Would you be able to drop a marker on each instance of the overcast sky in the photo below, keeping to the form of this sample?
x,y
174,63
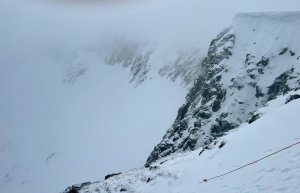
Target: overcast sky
x,y
195,20
100,124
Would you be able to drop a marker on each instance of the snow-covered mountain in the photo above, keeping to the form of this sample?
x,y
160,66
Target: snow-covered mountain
x,y
243,97
144,59
246,66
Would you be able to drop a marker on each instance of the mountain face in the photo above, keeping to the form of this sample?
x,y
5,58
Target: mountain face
x,y
246,66
204,98
249,81
144,59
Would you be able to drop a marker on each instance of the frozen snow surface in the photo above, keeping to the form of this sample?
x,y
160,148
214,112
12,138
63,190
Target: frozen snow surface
x,y
246,98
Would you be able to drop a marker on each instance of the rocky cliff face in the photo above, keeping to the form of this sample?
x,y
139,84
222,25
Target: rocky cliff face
x,y
246,66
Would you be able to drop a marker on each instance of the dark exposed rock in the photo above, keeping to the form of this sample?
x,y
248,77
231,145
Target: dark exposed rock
x,y
248,59
203,149
223,115
148,180
153,167
292,53
222,144
123,190
262,64
189,144
181,112
292,97
218,78
183,125
216,106
253,118
76,188
197,123
283,51
202,113
258,92
183,135
252,76
163,162
279,86
221,127
111,175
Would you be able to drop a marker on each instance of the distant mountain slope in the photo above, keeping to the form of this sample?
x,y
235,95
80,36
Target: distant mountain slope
x,y
145,60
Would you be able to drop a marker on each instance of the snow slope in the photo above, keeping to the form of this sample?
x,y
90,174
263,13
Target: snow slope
x,y
182,172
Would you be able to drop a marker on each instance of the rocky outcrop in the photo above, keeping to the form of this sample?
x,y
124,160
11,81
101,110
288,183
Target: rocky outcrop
x,y
292,97
111,175
76,188
203,100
